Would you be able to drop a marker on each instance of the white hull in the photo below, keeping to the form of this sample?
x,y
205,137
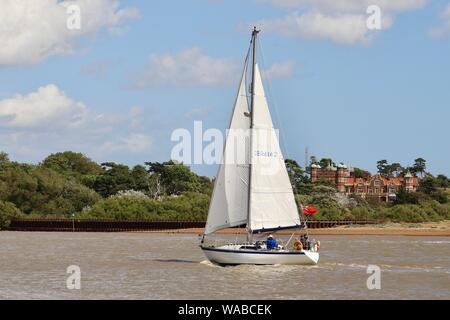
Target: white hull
x,y
233,255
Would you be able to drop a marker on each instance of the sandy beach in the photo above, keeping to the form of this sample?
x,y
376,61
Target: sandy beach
x,y
392,229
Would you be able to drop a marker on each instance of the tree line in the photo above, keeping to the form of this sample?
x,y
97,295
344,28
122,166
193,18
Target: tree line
x,y
67,184
397,170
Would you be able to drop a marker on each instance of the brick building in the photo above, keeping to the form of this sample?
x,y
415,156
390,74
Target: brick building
x,y
376,186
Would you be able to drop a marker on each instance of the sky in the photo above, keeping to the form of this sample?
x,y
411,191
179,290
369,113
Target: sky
x,y
116,85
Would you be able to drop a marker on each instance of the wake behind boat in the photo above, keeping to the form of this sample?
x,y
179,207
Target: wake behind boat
x,y
253,187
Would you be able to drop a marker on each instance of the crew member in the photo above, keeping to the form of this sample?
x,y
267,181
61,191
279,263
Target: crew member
x,y
298,245
271,242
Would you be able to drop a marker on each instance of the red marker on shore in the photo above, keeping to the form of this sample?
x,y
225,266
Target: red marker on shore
x,y
309,210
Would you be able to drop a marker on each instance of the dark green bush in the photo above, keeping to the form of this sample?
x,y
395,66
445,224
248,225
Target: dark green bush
x,y
189,206
8,211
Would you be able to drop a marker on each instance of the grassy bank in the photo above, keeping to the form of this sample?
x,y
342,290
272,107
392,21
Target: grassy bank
x,y
430,211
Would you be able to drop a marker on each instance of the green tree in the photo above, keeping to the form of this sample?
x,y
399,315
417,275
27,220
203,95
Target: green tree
x,y
326,162
72,163
39,190
440,196
395,170
8,211
442,181
4,158
420,166
205,185
359,173
405,197
296,174
382,167
188,206
304,188
141,178
115,178
434,187
427,185
175,178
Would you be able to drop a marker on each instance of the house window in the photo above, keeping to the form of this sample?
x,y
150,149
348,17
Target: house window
x,y
377,183
377,190
370,190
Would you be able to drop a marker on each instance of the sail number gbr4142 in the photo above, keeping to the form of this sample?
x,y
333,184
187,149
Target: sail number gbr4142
x,y
266,154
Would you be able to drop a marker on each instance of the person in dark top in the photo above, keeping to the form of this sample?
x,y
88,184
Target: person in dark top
x,y
302,240
271,242
307,243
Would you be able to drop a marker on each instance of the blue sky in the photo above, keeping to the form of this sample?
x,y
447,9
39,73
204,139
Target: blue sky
x,y
118,87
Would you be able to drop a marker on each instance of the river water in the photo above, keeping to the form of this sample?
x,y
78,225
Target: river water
x,y
163,266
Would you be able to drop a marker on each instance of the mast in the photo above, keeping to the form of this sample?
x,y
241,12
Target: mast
x,y
252,105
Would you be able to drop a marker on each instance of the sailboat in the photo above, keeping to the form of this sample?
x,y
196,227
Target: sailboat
x,y
252,186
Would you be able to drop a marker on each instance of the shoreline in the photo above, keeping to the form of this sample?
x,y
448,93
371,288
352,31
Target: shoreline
x,y
438,229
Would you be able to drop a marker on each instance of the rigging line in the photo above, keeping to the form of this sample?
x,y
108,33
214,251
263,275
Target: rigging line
x,y
274,105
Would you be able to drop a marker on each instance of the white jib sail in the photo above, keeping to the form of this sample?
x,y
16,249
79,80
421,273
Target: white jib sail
x,y
229,202
272,203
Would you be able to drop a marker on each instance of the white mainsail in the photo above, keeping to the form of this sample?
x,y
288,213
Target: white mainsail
x,y
272,203
229,203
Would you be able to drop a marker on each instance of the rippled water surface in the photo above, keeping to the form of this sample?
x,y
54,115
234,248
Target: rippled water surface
x,y
159,266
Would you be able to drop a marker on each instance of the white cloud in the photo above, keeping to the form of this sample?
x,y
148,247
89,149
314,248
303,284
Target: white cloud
x,y
280,70
47,120
134,143
48,106
444,29
340,28
341,21
190,67
31,31
351,5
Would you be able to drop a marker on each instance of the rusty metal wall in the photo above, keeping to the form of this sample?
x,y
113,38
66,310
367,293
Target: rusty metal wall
x,y
124,226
